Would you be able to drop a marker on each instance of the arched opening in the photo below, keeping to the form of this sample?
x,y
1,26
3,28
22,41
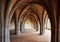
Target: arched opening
x,y
13,25
48,28
30,21
29,25
47,25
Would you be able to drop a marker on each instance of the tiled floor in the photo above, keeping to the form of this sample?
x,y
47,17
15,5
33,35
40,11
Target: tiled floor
x,y
31,36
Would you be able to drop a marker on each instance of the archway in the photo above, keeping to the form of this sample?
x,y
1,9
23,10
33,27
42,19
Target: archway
x,y
51,18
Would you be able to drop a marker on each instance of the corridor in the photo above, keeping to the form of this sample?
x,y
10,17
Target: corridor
x,y
29,21
30,35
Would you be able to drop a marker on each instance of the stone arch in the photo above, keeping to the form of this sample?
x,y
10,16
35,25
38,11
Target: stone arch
x,y
28,4
24,3
32,14
52,20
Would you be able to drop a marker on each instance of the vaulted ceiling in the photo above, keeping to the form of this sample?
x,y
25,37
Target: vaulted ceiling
x,y
39,7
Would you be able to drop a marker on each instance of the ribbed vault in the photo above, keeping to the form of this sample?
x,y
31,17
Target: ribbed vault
x,y
35,10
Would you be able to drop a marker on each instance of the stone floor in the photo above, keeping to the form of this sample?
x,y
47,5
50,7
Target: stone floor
x,y
31,36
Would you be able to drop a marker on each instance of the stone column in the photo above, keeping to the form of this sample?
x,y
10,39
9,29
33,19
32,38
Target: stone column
x,y
17,26
0,26
59,31
44,28
36,26
59,28
18,29
4,31
41,29
7,32
2,22
22,27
